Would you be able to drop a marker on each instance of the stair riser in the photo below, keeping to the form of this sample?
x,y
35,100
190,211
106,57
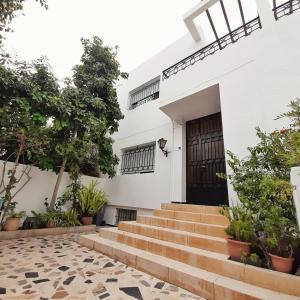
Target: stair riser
x,y
205,229
178,238
208,287
192,217
204,262
191,208
260,277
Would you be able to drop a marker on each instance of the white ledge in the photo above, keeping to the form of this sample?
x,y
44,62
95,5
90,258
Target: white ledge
x,y
193,13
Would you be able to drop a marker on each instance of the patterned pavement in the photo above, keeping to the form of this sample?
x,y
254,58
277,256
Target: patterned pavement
x,y
56,267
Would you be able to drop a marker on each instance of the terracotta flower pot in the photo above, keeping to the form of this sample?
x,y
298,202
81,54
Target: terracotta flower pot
x,y
11,224
51,224
282,264
87,220
237,248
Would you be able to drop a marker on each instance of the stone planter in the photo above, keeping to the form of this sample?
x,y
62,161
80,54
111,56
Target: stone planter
x,y
237,248
11,224
282,264
87,220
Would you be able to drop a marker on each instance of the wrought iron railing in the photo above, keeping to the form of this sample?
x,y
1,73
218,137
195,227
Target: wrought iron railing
x,y
286,8
139,159
212,48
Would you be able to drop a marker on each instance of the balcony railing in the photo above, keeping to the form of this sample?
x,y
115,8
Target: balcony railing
x,y
286,8
212,48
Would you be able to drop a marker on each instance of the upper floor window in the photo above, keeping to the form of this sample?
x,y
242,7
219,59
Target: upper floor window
x,y
144,93
139,159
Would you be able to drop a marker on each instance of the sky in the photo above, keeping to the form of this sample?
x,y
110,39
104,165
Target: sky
x,y
141,28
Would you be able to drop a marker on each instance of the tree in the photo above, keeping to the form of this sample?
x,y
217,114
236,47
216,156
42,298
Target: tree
x,y
8,8
89,112
28,93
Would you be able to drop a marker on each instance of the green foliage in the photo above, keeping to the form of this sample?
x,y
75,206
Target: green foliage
x,y
281,235
262,183
59,219
254,258
28,93
240,227
19,215
8,8
91,199
88,113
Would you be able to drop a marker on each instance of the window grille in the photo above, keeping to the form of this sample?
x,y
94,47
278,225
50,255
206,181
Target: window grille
x,y
139,159
144,94
125,215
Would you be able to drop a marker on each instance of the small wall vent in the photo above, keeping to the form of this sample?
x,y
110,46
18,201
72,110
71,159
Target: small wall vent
x,y
125,215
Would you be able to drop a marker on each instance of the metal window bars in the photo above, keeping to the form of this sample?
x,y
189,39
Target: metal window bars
x,y
144,94
232,37
285,9
139,159
125,215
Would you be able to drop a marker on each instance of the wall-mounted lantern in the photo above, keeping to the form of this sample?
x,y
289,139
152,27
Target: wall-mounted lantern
x,y
162,144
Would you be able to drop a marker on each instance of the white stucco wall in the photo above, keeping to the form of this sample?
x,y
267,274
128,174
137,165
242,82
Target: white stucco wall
x,y
257,77
41,186
295,181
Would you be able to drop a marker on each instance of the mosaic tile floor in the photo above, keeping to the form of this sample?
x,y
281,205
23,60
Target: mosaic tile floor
x,y
56,267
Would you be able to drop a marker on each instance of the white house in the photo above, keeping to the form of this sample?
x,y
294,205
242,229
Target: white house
x,y
203,98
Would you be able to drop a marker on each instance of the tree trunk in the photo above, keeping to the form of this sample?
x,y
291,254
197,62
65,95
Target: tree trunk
x,y
12,180
57,184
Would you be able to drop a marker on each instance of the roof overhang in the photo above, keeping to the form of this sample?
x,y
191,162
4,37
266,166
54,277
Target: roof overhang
x,y
197,105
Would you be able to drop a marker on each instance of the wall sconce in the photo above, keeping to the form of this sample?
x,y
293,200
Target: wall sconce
x,y
162,144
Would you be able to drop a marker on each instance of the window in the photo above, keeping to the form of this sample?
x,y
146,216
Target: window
x,y
145,93
139,159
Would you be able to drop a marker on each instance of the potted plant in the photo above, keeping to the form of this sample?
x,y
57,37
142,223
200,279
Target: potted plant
x,y
281,237
240,231
13,219
91,201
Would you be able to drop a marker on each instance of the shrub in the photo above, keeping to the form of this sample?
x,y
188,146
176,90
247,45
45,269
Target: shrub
x,y
240,227
91,199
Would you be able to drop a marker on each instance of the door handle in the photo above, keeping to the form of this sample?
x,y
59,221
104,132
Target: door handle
x,y
203,166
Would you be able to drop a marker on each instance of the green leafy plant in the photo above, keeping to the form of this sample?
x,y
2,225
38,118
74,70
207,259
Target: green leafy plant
x,y
58,219
11,211
262,183
69,218
19,215
281,234
91,199
240,226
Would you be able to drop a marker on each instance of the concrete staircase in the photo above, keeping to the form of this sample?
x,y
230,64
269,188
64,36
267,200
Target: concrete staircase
x,y
186,246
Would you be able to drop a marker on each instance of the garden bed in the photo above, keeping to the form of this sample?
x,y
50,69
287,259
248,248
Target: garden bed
x,y
8,235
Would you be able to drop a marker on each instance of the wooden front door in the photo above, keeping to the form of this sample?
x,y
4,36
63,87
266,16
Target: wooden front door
x,y
205,158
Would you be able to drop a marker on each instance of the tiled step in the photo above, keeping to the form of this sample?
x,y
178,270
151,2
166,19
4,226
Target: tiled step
x,y
192,217
206,284
210,261
201,228
191,208
214,244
